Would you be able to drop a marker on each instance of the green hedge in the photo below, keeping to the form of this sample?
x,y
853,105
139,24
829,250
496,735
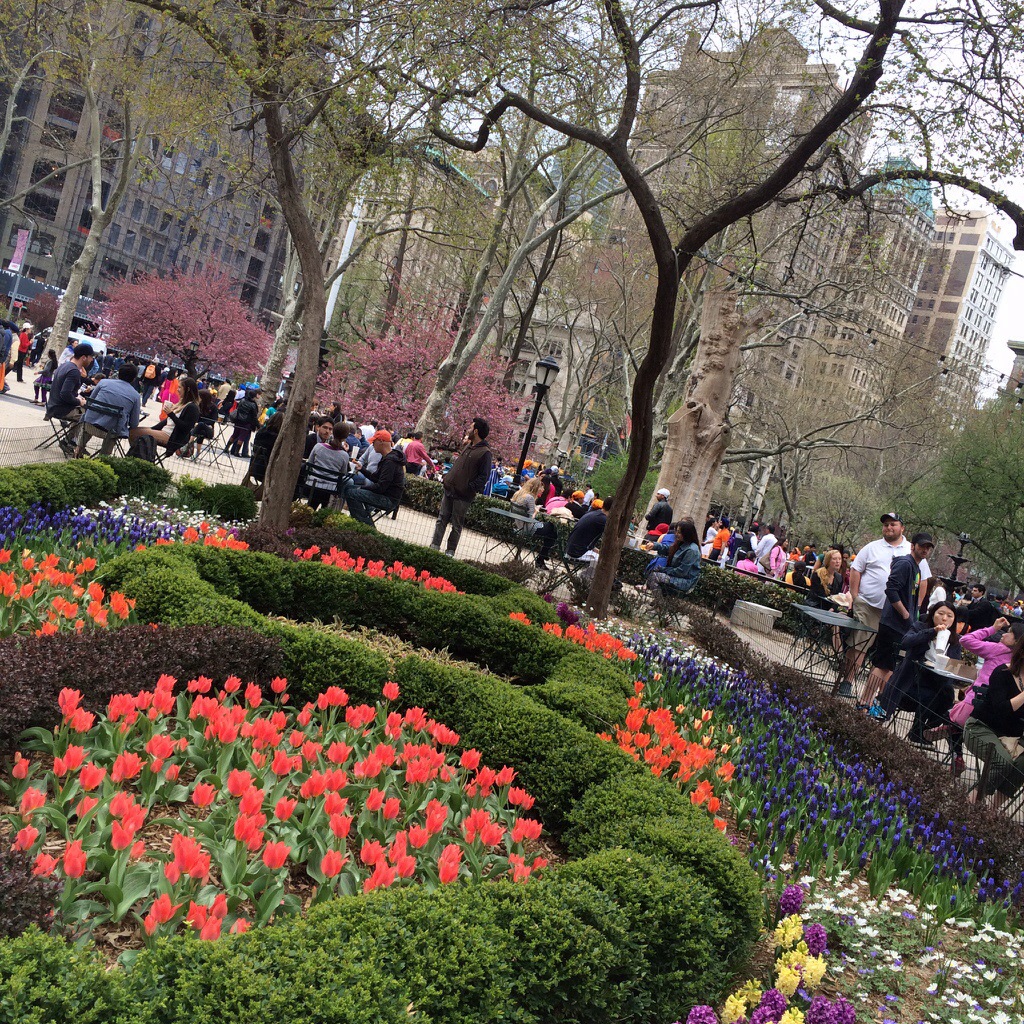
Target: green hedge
x,y
230,502
137,478
76,482
658,914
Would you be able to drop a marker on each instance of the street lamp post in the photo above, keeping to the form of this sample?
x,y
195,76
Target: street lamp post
x,y
193,346
546,370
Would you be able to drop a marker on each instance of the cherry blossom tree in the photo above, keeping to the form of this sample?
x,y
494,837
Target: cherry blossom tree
x,y
388,378
42,310
163,317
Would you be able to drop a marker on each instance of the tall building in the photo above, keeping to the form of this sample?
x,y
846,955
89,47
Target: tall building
x,y
184,211
955,310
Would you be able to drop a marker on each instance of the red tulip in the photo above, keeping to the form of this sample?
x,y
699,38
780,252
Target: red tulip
x,y
74,859
278,684
85,805
340,825
371,852
219,907
21,766
374,799
382,877
332,863
241,926
335,804
44,865
253,695
126,766
284,808
160,746
252,801
68,701
238,781
91,776
160,913
437,814
338,752
120,836
520,798
211,930
391,691
470,760
275,855
31,799
418,836
81,720
203,795
25,838
448,863
525,828
392,808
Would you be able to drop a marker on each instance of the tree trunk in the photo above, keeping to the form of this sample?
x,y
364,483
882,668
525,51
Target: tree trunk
x,y
284,336
286,456
76,281
395,278
617,529
698,432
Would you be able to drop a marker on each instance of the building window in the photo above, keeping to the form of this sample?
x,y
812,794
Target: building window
x,y
151,216
158,252
129,241
143,247
137,208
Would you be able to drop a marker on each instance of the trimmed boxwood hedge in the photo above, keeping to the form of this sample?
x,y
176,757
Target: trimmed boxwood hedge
x,y
657,915
79,482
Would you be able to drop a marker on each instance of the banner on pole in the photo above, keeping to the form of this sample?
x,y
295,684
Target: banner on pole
x,y
20,248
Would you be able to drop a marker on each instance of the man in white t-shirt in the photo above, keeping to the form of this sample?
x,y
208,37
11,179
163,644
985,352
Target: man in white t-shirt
x,y
868,576
764,547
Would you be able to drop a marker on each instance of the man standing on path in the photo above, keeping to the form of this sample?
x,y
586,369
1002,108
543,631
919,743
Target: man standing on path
x,y
900,610
868,576
765,545
463,482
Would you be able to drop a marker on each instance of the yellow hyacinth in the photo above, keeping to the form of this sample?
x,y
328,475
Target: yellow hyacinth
x,y
792,1016
787,981
814,971
734,1009
750,993
789,931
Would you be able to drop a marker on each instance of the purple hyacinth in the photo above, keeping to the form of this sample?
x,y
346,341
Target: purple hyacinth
x,y
792,900
820,1011
816,938
702,1015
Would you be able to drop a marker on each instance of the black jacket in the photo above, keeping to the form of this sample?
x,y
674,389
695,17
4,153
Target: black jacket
x,y
247,415
661,512
388,478
995,711
902,585
586,533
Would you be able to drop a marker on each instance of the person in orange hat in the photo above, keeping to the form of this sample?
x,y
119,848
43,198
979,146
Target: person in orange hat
x,y
384,484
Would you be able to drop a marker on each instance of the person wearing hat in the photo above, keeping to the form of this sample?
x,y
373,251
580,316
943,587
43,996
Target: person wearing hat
x,y
868,577
384,485
902,592
462,483
246,419
661,510
576,506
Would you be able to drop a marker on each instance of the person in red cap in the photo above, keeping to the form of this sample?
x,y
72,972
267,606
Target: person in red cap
x,y
463,482
386,481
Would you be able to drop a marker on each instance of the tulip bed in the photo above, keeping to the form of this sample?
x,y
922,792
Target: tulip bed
x,y
652,912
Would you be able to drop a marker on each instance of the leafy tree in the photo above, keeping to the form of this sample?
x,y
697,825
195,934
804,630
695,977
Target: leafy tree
x,y
978,488
162,317
388,378
42,310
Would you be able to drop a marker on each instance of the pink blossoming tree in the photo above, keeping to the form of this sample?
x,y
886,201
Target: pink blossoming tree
x,y
161,317
388,377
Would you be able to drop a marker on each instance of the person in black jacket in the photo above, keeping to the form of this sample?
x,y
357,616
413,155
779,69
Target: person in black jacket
x,y
262,445
981,612
387,481
1000,713
183,418
246,420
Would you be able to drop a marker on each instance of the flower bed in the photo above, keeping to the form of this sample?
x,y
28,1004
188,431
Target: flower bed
x,y
801,799
349,797
376,570
657,911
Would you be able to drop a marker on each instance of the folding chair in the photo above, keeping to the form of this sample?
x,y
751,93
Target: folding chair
x,y
60,436
105,409
210,451
376,514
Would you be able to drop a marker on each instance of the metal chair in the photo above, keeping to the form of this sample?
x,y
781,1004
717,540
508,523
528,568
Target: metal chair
x,y
61,430
106,410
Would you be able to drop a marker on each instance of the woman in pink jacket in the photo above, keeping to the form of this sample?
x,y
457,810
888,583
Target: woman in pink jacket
x,y
778,558
995,653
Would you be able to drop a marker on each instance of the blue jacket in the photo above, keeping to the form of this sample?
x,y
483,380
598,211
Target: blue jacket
x,y
684,570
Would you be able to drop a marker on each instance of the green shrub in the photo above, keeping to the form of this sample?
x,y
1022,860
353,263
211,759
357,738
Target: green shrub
x,y
137,478
231,502
47,981
190,491
76,482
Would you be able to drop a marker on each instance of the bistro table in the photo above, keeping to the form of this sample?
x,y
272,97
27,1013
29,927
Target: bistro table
x,y
514,545
814,641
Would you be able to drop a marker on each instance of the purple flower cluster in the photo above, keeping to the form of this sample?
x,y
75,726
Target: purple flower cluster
x,y
824,1011
808,794
791,900
702,1015
816,938
771,1008
72,527
568,614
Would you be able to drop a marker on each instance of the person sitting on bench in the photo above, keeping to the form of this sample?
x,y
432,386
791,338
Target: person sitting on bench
x,y
386,481
184,415
680,574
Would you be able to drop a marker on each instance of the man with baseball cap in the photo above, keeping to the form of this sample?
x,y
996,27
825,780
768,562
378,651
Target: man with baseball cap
x,y
385,483
661,510
869,574
902,602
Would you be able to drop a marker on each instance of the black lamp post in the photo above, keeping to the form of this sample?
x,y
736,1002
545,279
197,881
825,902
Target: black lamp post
x,y
958,560
193,347
546,370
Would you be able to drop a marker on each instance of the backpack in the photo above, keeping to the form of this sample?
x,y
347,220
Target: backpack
x,y
150,372
143,447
